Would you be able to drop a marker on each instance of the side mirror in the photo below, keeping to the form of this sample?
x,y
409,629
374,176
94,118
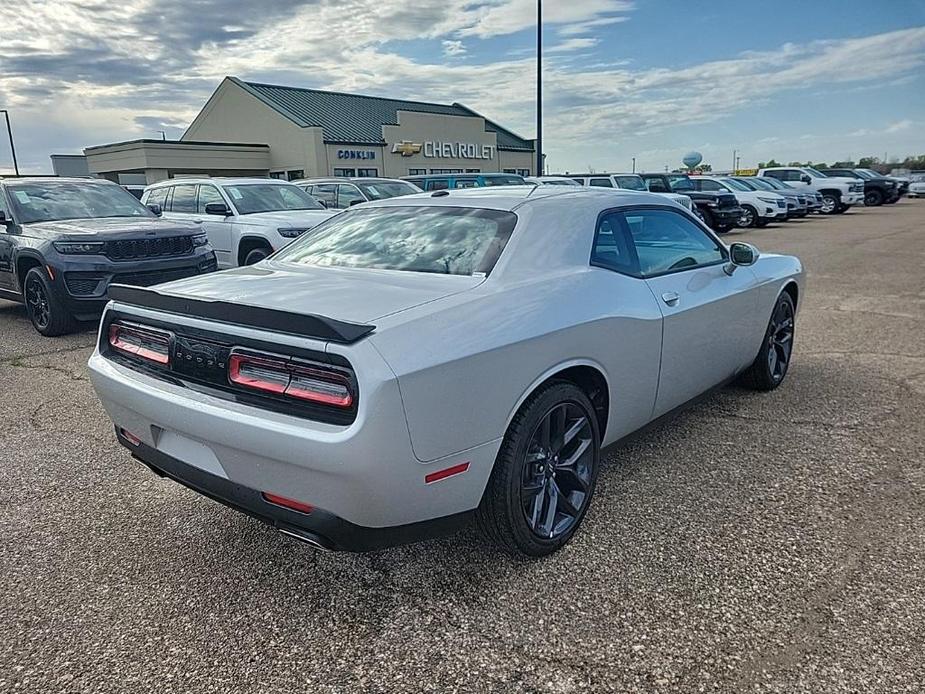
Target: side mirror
x,y
323,203
806,179
741,255
356,202
156,209
218,208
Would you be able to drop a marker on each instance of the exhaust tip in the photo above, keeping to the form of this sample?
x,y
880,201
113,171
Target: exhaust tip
x,y
305,537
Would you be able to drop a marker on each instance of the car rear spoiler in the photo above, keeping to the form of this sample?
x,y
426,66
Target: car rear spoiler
x,y
304,324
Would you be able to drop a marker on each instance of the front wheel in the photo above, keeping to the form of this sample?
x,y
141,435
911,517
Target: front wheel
x,y
749,217
544,475
255,256
47,313
830,203
773,361
873,198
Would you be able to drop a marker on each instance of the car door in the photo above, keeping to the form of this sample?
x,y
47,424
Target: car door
x,y
709,316
218,227
6,245
348,195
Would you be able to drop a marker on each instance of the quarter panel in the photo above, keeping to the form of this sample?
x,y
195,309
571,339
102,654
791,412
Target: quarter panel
x,y
465,368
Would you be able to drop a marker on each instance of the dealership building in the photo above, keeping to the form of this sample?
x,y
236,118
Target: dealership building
x,y
252,129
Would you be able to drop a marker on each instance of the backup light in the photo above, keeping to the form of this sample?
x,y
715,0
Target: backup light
x,y
144,343
283,377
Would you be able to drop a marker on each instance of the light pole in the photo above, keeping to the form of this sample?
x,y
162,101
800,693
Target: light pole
x,y
539,88
9,131
735,166
634,164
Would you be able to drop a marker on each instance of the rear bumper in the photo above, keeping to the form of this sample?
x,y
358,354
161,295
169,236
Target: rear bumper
x,y
318,528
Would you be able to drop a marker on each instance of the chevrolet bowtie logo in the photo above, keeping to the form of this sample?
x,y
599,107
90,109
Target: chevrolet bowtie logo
x,y
406,148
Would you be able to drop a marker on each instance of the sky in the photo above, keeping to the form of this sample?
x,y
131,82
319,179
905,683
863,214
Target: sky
x,y
823,80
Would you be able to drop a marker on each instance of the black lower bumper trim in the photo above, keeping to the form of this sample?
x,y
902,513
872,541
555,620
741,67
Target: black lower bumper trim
x,y
319,527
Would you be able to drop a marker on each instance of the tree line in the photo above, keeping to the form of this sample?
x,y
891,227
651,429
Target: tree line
x,y
914,163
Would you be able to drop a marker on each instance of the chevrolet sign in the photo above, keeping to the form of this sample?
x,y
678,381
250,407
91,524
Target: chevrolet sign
x,y
458,150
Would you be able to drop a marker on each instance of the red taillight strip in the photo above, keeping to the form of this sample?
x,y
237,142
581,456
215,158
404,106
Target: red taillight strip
x,y
117,340
296,381
447,472
285,502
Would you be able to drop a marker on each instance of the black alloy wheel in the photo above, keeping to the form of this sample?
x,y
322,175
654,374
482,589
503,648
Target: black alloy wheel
x,y
873,198
48,315
544,475
773,361
556,475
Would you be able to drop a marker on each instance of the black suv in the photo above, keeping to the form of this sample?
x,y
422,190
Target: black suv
x,y
877,189
63,241
720,211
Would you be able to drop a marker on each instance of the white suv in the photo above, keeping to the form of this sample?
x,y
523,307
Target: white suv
x,y
246,219
758,207
629,181
838,194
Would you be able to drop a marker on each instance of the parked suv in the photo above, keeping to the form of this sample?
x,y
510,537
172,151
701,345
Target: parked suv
x,y
627,181
341,193
877,189
246,219
63,241
758,208
720,211
468,180
838,194
805,201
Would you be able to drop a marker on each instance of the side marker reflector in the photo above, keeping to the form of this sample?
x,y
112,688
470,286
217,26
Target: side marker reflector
x,y
447,472
291,504
130,437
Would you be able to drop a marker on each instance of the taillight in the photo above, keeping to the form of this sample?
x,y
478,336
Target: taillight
x,y
151,345
286,502
283,377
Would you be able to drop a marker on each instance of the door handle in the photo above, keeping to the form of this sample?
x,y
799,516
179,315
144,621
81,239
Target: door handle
x,y
671,298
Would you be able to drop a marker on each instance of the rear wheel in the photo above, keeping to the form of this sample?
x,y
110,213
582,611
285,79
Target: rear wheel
x,y
47,314
544,475
256,255
749,217
773,361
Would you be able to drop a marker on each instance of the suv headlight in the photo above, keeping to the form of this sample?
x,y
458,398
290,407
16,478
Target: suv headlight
x,y
80,247
770,201
200,240
292,232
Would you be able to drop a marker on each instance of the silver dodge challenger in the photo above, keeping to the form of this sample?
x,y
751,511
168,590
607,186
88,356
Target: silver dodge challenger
x,y
418,363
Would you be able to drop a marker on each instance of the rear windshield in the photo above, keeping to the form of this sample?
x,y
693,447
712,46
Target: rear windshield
x,y
504,180
53,201
445,240
630,182
680,183
387,189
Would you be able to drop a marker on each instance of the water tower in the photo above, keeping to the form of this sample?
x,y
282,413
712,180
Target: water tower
x,y
692,159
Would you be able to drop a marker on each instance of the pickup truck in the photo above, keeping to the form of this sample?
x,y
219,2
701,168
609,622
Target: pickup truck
x,y
719,211
877,189
838,194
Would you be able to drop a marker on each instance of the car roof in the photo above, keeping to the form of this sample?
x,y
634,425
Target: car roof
x,y
511,198
226,180
348,179
56,179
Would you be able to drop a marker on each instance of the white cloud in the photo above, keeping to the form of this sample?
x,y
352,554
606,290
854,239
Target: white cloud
x,y
899,126
575,44
453,49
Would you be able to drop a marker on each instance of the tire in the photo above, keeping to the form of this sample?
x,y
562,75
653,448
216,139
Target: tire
x,y
749,217
517,484
842,208
772,364
830,203
761,223
707,218
256,255
47,313
873,198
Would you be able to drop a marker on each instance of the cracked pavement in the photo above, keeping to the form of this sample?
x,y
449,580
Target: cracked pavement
x,y
760,543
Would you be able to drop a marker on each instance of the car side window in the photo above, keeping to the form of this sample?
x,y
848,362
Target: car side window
x,y
438,184
348,195
207,196
667,241
466,183
656,185
184,198
792,175
156,196
601,182
710,185
4,208
779,175
325,192
613,248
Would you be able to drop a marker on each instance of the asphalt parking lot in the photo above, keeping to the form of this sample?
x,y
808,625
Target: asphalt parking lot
x,y
760,543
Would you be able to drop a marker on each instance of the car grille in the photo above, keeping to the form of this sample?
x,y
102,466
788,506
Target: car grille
x,y
134,249
857,187
147,279
727,201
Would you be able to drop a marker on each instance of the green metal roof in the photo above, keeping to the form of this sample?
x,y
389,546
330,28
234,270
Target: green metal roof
x,y
358,119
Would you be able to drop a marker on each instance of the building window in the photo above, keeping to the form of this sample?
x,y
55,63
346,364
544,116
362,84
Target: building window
x,y
510,171
346,173
473,171
367,173
281,175
295,175
446,171
523,172
417,172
